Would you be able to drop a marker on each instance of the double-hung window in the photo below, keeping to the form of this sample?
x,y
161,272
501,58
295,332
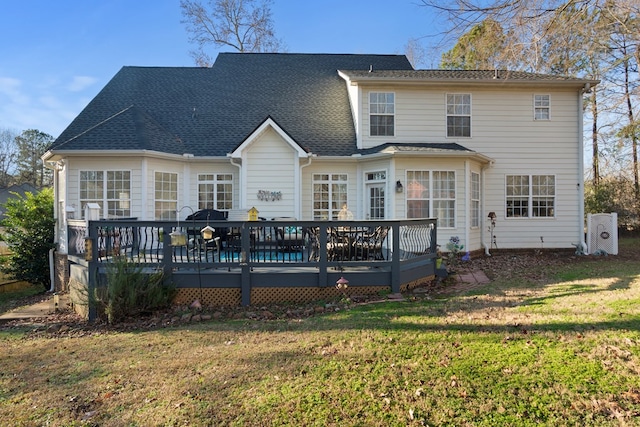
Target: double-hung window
x,y
109,189
459,115
166,195
432,194
541,107
329,195
215,191
475,199
530,196
382,114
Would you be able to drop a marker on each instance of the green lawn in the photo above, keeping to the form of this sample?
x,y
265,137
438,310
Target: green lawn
x,y
556,344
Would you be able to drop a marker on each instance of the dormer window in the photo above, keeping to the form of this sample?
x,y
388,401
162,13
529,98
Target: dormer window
x,y
382,114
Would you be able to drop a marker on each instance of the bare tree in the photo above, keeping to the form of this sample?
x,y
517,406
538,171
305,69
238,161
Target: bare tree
x,y
8,155
415,53
244,25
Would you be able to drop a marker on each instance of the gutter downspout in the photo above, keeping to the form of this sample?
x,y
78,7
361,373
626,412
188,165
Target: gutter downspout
x,y
56,215
467,207
309,159
482,229
239,166
580,183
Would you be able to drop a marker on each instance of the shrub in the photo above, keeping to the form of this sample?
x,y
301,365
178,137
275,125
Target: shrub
x,y
29,233
130,290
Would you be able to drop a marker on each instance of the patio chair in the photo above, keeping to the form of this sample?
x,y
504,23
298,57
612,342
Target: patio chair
x,y
289,238
339,248
370,245
314,242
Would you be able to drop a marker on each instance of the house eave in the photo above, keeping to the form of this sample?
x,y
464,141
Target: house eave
x,y
59,154
386,154
433,81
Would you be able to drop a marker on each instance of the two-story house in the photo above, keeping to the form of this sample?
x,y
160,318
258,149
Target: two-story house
x,y
302,135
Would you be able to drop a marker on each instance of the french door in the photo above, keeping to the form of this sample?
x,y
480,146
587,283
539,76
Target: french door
x,y
375,184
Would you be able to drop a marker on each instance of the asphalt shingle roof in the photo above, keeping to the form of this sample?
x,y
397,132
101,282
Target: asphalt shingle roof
x,y
457,75
209,111
426,147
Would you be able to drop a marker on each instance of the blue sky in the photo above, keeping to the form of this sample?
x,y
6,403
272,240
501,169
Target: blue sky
x,y
55,56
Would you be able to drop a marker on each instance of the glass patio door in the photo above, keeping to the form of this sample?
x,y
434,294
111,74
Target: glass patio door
x,y
376,183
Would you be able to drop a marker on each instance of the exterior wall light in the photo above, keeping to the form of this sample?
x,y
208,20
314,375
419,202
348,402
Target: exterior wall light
x,y
399,187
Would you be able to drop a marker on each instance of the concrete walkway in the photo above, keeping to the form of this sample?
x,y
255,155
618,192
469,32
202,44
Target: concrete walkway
x,y
40,309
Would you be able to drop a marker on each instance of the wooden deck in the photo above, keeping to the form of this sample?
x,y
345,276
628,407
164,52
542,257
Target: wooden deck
x,y
262,254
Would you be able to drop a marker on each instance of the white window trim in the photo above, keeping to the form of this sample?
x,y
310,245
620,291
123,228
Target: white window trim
x,y
446,115
530,199
156,200
433,199
377,114
104,201
478,200
548,107
215,181
330,182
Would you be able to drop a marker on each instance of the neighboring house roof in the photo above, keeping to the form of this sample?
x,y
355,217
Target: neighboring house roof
x,y
209,111
7,193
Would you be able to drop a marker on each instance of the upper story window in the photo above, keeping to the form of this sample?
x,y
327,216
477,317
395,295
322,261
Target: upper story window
x,y
215,191
109,189
459,115
329,195
531,196
381,114
166,195
541,107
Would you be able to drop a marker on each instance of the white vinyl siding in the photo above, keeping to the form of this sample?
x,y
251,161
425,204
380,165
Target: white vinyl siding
x,y
270,166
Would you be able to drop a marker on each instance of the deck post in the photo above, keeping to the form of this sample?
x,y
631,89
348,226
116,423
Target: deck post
x,y
322,256
395,258
245,284
91,254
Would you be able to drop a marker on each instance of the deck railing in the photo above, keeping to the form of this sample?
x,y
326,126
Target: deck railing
x,y
246,254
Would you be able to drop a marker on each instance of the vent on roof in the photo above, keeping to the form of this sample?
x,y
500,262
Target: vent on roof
x,y
371,68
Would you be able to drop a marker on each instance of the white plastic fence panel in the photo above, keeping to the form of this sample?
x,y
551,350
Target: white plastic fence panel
x,y
602,233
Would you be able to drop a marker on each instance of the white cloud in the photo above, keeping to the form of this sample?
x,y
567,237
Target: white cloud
x,y
10,87
79,83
